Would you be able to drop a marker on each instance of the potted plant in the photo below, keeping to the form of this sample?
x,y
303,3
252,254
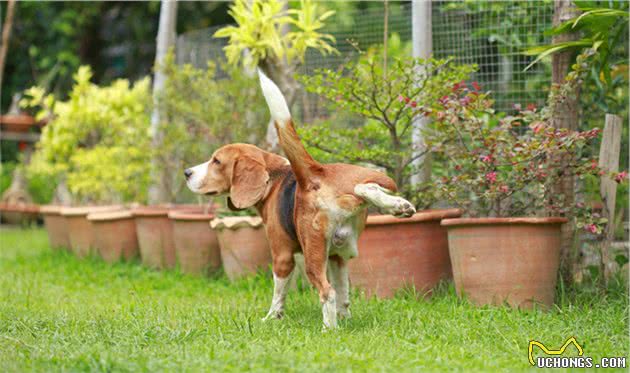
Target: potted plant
x,y
114,235
196,245
501,170
243,243
80,233
384,106
56,227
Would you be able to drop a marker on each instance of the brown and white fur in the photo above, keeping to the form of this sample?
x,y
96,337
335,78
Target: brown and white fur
x,y
318,209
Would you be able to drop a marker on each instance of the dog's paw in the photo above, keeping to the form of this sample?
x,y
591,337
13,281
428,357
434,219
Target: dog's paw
x,y
344,313
402,208
273,315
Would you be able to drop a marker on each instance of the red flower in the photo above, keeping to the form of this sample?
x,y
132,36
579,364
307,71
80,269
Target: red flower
x,y
413,104
504,189
465,101
486,158
443,100
621,176
491,177
537,126
22,145
476,86
531,107
459,86
591,228
458,167
401,98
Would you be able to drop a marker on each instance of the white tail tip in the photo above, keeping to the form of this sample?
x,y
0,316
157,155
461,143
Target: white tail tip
x,y
275,100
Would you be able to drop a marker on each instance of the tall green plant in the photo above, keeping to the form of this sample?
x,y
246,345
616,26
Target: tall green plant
x,y
276,40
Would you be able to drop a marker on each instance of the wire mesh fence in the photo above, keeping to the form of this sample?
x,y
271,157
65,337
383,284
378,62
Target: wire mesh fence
x,y
491,35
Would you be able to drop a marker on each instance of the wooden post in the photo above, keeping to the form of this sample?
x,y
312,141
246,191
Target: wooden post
x,y
609,162
565,117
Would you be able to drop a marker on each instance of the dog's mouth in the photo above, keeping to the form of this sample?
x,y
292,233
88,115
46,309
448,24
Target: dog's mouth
x,y
214,193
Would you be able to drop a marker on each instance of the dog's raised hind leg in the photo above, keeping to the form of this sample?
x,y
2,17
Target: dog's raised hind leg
x,y
378,196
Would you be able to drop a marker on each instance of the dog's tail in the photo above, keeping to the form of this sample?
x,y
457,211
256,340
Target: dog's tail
x,y
302,163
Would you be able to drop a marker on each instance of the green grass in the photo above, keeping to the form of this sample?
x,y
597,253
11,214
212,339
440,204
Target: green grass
x,y
59,313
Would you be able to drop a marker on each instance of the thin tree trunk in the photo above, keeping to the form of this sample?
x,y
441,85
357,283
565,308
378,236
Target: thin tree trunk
x,y
158,191
565,117
6,37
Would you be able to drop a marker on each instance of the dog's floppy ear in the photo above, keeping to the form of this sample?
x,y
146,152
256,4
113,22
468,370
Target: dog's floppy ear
x,y
231,206
249,182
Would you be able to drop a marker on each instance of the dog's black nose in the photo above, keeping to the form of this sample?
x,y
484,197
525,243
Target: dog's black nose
x,y
187,173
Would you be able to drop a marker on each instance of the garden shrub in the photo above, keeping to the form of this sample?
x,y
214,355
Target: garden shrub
x,y
388,103
203,109
97,140
508,165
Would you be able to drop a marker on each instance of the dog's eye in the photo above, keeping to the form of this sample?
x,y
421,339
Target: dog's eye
x,y
216,161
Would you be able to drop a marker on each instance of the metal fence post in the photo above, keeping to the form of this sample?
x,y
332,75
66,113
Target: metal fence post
x,y
422,41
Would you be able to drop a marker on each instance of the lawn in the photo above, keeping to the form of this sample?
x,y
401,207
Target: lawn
x,y
58,313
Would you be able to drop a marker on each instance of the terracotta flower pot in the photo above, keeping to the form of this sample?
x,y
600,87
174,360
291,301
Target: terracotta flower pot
x,y
196,245
243,243
155,234
513,260
80,232
395,253
19,213
56,227
114,235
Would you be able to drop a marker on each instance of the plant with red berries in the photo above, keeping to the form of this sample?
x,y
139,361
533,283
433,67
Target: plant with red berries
x,y
506,165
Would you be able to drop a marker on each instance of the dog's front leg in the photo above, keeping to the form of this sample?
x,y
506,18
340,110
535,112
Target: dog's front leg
x,y
283,265
338,275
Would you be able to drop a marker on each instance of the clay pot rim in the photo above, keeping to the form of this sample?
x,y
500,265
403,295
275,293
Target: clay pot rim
x,y
150,211
163,209
503,221
19,207
21,118
85,210
105,216
51,209
236,222
421,216
190,215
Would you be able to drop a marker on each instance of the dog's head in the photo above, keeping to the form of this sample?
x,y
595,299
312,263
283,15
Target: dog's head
x,y
237,169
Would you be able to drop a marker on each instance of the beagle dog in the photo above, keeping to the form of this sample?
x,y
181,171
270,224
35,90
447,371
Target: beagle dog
x,y
318,209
